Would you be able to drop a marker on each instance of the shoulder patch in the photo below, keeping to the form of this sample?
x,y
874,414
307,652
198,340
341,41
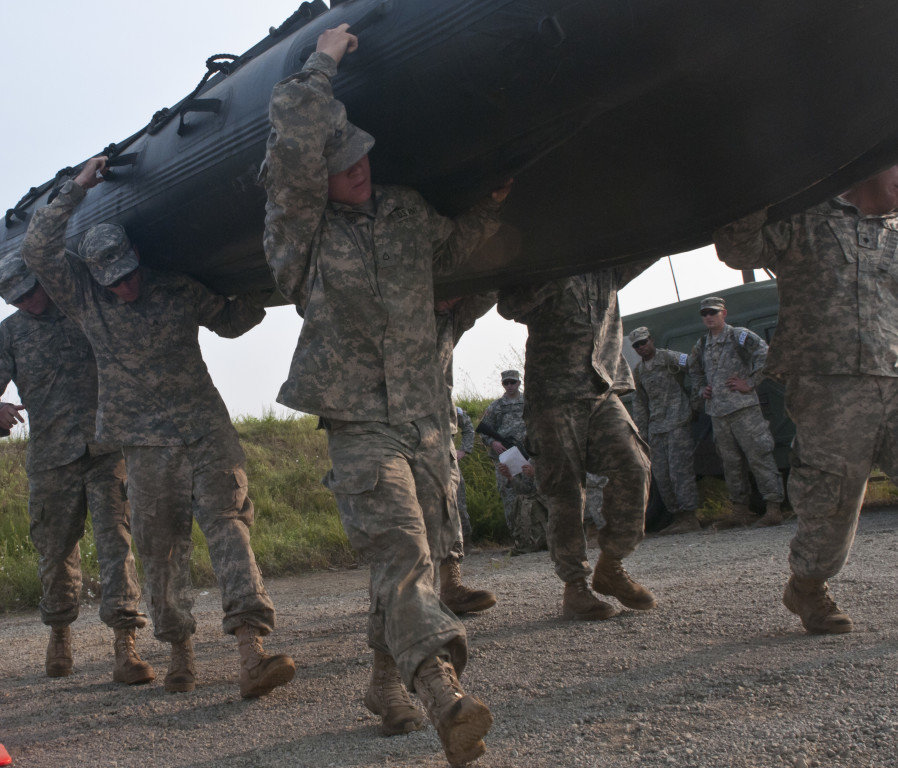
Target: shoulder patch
x,y
401,214
681,360
742,337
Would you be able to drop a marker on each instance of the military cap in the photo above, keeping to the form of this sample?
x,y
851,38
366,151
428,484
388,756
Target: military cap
x,y
346,146
639,334
107,252
713,302
511,375
15,279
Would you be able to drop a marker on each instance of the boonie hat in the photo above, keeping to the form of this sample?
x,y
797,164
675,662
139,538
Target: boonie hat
x,y
347,145
15,279
639,334
511,375
107,252
713,302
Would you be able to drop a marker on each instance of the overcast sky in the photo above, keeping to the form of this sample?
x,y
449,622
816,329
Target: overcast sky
x,y
79,75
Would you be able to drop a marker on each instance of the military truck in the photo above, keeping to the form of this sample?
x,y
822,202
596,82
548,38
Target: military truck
x,y
678,326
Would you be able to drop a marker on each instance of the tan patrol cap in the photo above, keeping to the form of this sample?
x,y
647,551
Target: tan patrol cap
x,y
15,279
107,252
639,334
713,302
511,375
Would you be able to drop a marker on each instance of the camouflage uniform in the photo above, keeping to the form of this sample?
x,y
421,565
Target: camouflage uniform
x,y
595,497
576,422
522,516
530,515
366,361
51,363
662,412
741,432
836,349
451,324
466,427
157,400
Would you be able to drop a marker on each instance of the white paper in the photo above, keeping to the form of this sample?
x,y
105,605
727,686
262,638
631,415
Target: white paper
x,y
514,460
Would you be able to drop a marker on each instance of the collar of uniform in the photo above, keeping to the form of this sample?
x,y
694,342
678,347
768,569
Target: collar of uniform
x,y
842,207
720,337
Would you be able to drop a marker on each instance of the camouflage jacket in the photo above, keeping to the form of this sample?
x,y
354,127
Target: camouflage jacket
x,y
733,352
505,416
466,427
837,279
154,388
361,276
53,367
575,335
661,403
451,325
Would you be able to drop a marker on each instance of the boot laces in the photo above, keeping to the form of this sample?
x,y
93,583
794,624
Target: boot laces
x,y
822,603
440,680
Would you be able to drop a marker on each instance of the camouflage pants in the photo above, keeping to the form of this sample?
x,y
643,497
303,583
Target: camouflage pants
x,y
461,499
673,469
569,440
744,442
595,497
168,487
507,494
525,515
844,425
457,551
391,483
57,505
530,522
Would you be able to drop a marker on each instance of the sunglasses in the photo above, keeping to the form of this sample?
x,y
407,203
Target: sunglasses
x,y
122,279
706,312
638,344
509,381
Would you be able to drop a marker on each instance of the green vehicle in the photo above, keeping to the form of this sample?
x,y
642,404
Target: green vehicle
x,y
678,326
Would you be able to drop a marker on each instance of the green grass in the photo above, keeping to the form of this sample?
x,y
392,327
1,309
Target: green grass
x,y
296,528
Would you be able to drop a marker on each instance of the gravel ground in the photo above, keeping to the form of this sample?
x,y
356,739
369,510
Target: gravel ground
x,y
720,674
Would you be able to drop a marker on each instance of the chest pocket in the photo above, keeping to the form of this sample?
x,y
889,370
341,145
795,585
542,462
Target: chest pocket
x,y
847,238
402,251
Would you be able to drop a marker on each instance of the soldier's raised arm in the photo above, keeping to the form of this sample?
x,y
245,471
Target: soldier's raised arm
x,y
456,240
304,118
225,316
43,248
752,243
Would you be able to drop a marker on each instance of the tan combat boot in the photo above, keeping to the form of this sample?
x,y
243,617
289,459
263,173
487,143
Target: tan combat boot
x,y
610,578
461,720
260,673
181,675
742,517
59,652
387,697
129,667
810,600
579,604
773,515
683,522
456,596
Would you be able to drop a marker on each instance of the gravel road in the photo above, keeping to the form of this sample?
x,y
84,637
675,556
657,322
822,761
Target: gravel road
x,y
720,674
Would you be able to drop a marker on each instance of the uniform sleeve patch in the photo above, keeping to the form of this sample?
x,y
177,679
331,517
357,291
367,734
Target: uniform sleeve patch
x,y
683,358
742,337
